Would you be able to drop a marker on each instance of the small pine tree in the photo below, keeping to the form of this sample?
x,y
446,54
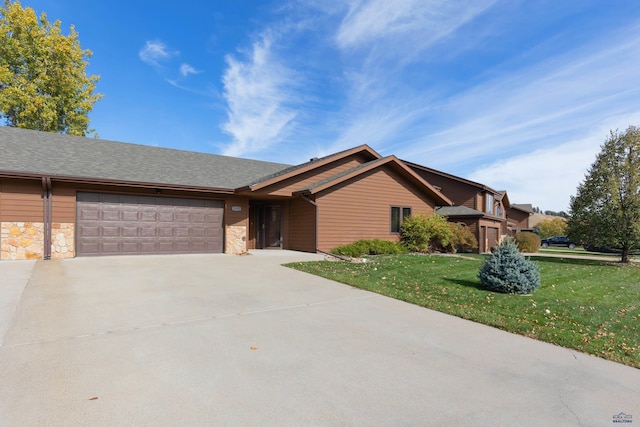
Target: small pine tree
x,y
508,271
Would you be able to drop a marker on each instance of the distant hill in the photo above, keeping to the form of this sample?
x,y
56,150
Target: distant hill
x,y
537,218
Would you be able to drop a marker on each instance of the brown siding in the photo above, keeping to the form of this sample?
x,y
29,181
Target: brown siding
x,y
518,218
21,200
236,217
301,226
287,186
459,193
361,208
63,202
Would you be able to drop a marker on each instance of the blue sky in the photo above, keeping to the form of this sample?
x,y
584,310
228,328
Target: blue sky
x,y
517,95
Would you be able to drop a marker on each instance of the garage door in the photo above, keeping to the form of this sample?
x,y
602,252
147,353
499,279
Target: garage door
x,y
113,224
492,237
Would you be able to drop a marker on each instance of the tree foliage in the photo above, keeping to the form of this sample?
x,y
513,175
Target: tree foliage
x,y
606,209
424,233
43,81
527,241
552,227
508,271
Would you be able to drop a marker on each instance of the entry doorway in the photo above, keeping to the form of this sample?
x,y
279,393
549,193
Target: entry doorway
x,y
268,226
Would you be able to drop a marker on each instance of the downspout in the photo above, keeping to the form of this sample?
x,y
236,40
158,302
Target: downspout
x,y
46,200
305,198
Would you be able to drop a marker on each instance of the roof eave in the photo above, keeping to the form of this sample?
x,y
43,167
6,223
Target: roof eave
x,y
122,183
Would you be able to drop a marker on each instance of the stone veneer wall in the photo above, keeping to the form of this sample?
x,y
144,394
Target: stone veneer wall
x,y
62,240
236,239
25,240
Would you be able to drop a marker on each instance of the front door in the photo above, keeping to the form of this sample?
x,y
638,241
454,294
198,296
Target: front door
x,y
269,226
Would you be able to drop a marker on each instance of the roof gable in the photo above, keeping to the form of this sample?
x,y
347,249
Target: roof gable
x,y
312,164
389,161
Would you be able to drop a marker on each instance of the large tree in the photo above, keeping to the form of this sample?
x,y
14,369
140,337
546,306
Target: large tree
x,y
606,209
43,81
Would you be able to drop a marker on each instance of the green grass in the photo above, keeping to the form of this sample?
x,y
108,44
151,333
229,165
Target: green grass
x,y
588,305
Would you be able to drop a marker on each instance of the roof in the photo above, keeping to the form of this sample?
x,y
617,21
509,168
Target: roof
x,y
365,167
454,177
463,211
528,207
458,211
310,165
29,152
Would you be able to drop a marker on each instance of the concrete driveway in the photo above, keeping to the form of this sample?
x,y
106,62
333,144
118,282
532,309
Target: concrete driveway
x,y
204,340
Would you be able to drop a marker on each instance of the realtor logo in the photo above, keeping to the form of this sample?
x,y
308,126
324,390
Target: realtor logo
x,y
622,418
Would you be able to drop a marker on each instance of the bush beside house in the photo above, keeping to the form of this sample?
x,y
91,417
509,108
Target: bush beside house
x,y
527,241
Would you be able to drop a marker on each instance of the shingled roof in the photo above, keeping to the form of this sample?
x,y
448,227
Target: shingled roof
x,y
28,152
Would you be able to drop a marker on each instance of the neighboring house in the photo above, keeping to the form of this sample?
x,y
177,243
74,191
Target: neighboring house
x,y
96,197
481,208
519,218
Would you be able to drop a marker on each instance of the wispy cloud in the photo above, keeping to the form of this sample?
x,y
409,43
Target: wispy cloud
x,y
186,70
544,124
420,22
154,52
259,92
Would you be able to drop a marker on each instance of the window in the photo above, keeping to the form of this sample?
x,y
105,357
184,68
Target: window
x,y
398,214
489,207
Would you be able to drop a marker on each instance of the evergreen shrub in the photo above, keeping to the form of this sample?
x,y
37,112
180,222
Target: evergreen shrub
x,y
507,271
527,241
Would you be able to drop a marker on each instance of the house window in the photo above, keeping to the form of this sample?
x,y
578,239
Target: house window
x,y
489,207
398,214
499,210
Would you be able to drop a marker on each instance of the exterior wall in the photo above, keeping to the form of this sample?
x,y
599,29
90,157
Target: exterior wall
x,y
361,208
22,217
287,186
21,240
21,200
459,193
518,218
301,226
236,225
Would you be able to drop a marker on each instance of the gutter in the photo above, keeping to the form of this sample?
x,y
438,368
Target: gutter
x,y
305,198
47,216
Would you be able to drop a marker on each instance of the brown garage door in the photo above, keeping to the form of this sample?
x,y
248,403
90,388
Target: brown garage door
x,y
492,238
114,224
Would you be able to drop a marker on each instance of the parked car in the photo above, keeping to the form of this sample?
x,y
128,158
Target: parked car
x,y
558,241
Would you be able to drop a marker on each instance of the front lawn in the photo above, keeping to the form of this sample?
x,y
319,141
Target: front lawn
x,y
588,305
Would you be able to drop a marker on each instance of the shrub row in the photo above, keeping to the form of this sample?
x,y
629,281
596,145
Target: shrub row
x,y
369,247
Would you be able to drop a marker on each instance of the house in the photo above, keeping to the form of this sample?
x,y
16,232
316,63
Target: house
x,y
520,218
481,208
63,196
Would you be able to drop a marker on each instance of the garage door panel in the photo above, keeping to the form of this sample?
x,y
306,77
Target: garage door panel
x,y
110,214
110,224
